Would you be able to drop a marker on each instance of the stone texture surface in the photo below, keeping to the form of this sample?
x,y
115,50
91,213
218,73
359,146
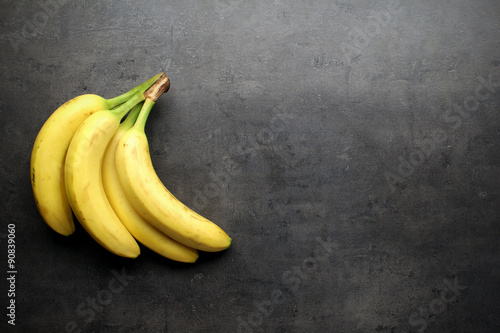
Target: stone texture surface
x,y
350,149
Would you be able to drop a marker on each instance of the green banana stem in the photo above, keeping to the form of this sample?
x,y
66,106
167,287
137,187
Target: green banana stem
x,y
151,96
140,89
140,123
123,109
132,117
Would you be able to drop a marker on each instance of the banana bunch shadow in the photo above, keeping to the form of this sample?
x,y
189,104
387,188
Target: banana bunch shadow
x,y
91,158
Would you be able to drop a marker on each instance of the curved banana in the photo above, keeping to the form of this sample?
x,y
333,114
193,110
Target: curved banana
x,y
49,152
151,198
142,231
83,180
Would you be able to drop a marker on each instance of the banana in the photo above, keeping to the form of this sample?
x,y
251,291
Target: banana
x,y
153,201
142,231
84,187
49,152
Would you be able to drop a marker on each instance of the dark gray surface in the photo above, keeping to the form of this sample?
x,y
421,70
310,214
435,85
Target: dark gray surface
x,y
290,124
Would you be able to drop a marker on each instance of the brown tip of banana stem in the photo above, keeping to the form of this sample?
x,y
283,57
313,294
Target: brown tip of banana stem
x,y
158,88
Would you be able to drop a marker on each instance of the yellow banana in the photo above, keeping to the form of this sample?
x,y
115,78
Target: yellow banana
x,y
151,198
142,231
49,151
83,180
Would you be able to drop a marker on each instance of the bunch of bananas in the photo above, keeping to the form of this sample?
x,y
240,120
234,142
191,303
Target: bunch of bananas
x,y
91,159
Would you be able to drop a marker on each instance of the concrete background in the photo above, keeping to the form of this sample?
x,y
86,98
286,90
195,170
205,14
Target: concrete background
x,y
350,149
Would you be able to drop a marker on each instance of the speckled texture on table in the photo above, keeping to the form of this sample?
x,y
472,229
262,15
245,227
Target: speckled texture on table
x,y
349,148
